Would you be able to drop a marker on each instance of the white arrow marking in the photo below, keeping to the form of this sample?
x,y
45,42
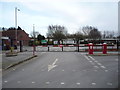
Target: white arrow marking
x,y
50,67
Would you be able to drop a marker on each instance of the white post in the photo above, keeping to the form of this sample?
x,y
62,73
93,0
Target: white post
x,y
33,40
16,24
16,9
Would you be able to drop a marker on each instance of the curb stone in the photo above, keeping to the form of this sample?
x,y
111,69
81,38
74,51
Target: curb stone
x,y
12,65
101,54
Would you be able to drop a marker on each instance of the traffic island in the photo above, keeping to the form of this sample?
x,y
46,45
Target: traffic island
x,y
10,54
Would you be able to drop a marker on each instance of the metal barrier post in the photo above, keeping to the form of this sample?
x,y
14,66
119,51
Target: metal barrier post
x,y
48,48
78,47
62,48
21,46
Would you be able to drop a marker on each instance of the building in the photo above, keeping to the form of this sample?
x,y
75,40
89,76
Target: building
x,y
21,36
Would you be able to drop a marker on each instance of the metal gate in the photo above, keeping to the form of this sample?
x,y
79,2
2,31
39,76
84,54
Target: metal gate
x,y
54,48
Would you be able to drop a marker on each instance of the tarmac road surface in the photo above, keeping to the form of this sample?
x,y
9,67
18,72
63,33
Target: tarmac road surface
x,y
64,70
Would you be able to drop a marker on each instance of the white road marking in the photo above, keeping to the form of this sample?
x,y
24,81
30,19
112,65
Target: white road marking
x,y
55,61
86,57
47,82
96,67
50,67
13,69
63,70
90,61
116,59
109,84
78,83
23,70
62,83
96,61
93,83
18,81
102,66
33,82
99,64
5,81
91,57
106,70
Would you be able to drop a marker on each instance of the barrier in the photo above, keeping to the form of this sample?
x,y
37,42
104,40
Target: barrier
x,y
104,48
90,48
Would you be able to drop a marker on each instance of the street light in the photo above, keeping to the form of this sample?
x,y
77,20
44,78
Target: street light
x,y
34,48
16,9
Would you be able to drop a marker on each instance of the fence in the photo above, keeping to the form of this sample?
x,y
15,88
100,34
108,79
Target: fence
x,y
68,48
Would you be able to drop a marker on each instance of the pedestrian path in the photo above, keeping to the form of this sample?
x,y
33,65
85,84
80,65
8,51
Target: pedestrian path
x,y
7,61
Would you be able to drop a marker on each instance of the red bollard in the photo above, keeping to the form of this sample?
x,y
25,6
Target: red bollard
x,y
90,48
104,48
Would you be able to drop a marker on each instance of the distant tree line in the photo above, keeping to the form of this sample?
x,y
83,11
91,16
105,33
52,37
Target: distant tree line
x,y
58,32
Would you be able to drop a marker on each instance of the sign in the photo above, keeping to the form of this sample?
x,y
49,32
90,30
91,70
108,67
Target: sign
x,y
55,42
43,41
4,37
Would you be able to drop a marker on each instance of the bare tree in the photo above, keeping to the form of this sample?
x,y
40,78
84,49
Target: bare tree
x,y
56,32
34,34
76,36
86,30
91,32
95,34
109,34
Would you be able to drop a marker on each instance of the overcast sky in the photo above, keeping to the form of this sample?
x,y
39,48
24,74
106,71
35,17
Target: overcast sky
x,y
73,14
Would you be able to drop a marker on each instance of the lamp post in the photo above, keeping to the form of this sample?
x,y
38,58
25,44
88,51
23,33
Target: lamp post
x,y
34,40
16,9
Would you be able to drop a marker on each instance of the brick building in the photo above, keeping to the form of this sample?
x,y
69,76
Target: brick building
x,y
21,36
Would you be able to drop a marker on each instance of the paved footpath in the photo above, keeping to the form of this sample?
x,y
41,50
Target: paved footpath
x,y
7,61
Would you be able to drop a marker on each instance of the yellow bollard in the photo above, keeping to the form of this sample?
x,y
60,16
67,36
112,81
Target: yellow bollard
x,y
11,49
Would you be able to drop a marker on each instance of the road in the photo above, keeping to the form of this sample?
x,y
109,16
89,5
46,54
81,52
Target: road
x,y
64,70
